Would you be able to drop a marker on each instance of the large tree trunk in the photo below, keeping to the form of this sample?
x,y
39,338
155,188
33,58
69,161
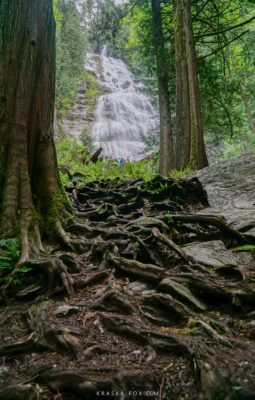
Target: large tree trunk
x,y
32,198
183,125
166,140
198,154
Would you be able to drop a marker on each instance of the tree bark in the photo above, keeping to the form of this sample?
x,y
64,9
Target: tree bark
x,y
166,140
32,198
198,153
183,125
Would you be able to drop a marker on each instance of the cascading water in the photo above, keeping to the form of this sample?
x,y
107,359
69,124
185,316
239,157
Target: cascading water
x,y
124,117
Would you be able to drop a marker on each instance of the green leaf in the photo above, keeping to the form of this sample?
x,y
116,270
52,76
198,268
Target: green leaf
x,y
246,247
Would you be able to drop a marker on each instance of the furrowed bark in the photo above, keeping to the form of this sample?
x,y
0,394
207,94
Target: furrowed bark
x,y
31,198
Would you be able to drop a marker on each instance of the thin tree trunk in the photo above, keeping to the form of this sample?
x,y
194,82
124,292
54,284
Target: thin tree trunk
x,y
32,198
198,153
166,139
248,110
183,125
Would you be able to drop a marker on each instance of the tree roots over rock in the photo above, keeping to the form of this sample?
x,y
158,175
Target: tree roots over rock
x,y
160,304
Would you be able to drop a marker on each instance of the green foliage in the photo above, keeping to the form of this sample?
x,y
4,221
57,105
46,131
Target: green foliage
x,y
9,255
91,87
225,121
169,218
9,252
71,50
178,174
107,169
161,187
71,154
85,138
246,247
72,157
106,27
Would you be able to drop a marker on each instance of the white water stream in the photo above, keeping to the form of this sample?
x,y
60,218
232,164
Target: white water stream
x,y
125,115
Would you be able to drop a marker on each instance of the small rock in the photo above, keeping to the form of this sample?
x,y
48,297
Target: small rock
x,y
136,352
251,324
66,310
3,370
137,286
101,330
145,292
237,388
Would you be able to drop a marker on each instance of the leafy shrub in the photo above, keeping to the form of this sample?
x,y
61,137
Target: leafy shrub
x,y
85,138
72,158
9,254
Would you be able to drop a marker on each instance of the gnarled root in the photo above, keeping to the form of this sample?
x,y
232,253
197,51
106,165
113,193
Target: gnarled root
x,y
55,268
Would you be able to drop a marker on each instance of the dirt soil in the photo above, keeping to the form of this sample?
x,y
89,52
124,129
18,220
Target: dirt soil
x,y
151,312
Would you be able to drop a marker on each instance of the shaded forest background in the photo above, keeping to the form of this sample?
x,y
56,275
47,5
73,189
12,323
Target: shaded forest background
x,y
223,33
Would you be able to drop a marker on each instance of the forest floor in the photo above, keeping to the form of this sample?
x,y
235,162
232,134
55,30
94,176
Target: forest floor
x,y
162,309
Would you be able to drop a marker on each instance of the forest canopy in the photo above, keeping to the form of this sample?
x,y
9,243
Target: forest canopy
x,y
223,39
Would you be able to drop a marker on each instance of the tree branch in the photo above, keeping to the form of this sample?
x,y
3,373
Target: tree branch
x,y
225,45
226,30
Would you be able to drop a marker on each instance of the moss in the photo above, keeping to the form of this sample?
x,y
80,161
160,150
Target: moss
x,y
192,324
55,210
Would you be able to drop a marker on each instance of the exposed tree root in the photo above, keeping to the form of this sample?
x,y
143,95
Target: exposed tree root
x,y
147,313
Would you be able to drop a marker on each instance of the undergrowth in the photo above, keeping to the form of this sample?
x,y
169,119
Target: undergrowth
x,y
9,255
72,159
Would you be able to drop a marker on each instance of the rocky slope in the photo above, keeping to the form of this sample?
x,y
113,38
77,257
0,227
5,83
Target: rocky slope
x,y
230,186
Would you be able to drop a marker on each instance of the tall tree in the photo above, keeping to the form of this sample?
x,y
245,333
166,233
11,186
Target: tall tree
x,y
32,199
166,140
198,153
183,123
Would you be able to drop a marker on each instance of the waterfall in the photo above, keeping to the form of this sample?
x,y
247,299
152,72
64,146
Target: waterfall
x,y
124,116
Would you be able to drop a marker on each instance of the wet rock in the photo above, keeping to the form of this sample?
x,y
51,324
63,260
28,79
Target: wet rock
x,y
213,254
66,310
251,324
3,371
137,286
230,189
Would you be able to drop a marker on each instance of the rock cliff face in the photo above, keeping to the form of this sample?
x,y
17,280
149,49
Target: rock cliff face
x,y
81,116
230,186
